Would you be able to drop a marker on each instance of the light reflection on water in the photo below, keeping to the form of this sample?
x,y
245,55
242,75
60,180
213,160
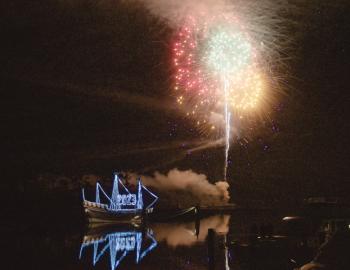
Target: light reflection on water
x,y
188,234
117,243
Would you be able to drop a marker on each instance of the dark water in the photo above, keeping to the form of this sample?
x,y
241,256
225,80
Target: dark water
x,y
241,240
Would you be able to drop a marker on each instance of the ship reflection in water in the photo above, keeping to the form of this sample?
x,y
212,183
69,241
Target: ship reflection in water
x,y
117,243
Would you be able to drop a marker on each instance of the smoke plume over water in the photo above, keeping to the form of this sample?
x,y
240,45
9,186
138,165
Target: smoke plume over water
x,y
197,187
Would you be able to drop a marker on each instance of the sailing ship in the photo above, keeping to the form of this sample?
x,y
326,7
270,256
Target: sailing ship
x,y
121,207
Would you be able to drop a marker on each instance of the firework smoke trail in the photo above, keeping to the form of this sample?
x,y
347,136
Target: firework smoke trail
x,y
228,56
227,127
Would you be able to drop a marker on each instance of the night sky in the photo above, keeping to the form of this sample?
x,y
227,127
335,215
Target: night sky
x,y
85,89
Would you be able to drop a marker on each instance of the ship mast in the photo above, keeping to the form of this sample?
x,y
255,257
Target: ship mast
x,y
114,205
139,204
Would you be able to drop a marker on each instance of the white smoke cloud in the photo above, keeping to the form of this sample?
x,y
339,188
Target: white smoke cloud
x,y
197,186
262,19
180,188
175,11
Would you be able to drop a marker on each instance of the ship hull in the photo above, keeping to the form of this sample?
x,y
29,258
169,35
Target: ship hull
x,y
183,215
98,214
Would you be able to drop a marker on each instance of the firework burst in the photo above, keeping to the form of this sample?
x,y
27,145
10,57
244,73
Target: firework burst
x,y
207,56
217,74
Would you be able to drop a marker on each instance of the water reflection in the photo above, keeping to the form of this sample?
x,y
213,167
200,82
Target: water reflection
x,y
116,243
188,234
219,242
294,241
